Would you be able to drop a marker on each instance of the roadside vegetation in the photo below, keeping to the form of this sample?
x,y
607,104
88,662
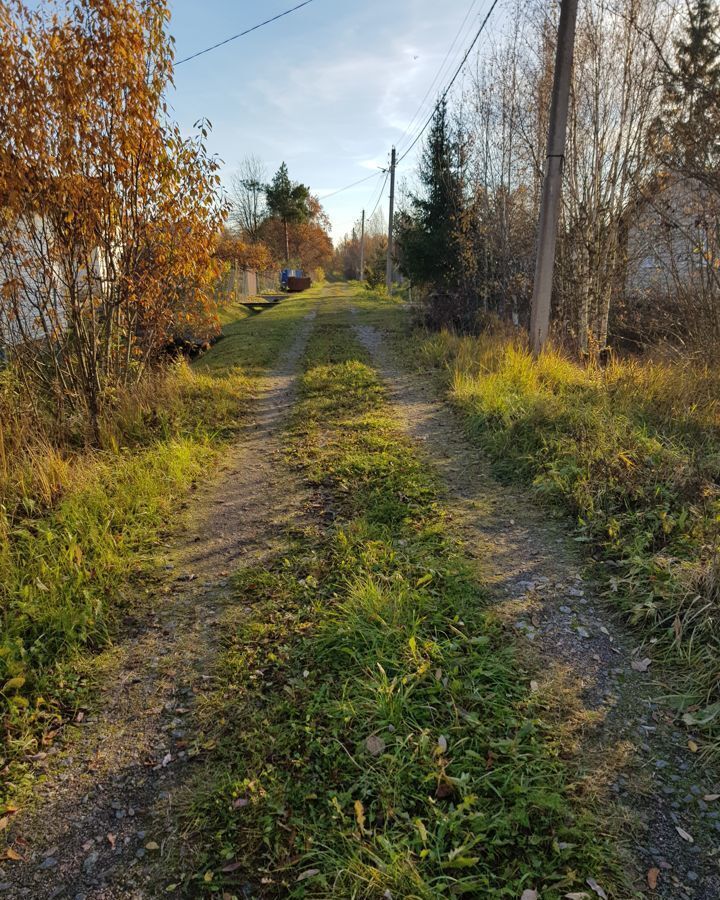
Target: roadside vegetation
x,y
376,736
79,525
113,254
619,424
632,451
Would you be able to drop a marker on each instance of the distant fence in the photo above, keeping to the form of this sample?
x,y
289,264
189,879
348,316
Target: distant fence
x,y
239,284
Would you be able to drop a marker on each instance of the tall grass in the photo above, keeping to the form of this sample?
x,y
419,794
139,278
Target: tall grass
x,y
632,451
76,524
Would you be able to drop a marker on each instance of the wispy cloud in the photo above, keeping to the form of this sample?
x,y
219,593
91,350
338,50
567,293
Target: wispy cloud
x,y
328,91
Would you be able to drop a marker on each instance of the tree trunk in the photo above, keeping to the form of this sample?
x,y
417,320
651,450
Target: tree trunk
x,y
287,243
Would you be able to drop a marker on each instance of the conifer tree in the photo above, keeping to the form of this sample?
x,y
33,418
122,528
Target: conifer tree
x,y
687,133
288,200
427,233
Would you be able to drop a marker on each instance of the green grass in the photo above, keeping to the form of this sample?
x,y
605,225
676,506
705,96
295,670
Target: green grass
x,y
253,340
376,735
633,454
78,528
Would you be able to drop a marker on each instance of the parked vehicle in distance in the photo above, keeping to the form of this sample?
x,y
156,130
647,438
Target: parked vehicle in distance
x,y
294,281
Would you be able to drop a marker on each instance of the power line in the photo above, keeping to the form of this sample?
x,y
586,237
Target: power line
x,y
354,184
438,73
382,191
243,33
452,80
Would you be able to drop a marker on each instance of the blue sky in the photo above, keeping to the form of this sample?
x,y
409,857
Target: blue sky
x,y
328,89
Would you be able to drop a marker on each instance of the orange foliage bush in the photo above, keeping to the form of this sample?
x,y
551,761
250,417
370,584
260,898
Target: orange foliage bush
x,y
109,215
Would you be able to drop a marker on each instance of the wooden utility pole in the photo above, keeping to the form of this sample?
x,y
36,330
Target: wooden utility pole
x,y
552,184
362,248
389,268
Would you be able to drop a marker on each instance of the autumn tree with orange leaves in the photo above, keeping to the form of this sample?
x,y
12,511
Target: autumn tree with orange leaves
x,y
108,215
308,242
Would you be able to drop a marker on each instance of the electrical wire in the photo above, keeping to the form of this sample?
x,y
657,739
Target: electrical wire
x,y
452,81
382,191
354,184
437,75
243,33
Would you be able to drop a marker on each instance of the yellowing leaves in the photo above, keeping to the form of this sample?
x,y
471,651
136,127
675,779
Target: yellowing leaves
x,y
360,815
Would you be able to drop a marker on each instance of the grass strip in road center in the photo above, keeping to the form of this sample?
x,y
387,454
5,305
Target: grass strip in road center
x,y
376,736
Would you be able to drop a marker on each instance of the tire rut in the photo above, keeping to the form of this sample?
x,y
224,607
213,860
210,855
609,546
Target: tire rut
x,y
97,829
535,579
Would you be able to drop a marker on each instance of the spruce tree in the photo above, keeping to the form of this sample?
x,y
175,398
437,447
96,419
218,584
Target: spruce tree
x,y
427,231
688,130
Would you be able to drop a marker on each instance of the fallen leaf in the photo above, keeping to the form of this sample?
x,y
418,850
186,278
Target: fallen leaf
x,y
208,877
534,687
375,745
360,815
684,835
240,802
111,840
711,798
641,665
4,823
80,716
529,895
442,743
444,790
652,878
422,830
232,867
13,855
308,873
14,684
596,887
577,895
152,845
167,759
693,747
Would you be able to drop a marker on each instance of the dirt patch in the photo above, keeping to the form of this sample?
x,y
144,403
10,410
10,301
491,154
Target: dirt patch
x,y
100,823
629,749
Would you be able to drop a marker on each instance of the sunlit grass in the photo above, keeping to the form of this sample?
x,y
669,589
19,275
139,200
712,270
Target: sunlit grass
x,y
78,524
376,732
632,451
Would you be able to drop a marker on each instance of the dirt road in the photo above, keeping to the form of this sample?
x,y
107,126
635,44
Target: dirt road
x,y
106,818
105,809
